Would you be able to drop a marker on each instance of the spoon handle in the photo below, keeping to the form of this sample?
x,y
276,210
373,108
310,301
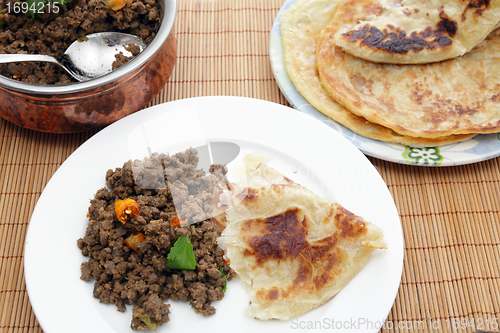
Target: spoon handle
x,y
6,58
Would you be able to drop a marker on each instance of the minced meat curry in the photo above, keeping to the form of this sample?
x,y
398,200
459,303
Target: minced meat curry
x,y
52,33
133,225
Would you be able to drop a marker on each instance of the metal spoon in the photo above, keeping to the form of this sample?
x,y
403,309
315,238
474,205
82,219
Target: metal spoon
x,y
88,57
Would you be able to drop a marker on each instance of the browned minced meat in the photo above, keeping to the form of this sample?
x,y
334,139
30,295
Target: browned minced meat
x,y
142,278
52,33
122,59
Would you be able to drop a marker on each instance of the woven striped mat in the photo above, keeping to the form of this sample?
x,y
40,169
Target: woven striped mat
x,y
450,215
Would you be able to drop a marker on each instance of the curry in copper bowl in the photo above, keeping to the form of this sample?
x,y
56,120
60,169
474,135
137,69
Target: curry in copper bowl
x,y
42,96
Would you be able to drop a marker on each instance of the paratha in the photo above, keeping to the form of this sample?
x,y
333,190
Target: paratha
x,y
291,249
456,96
300,27
413,31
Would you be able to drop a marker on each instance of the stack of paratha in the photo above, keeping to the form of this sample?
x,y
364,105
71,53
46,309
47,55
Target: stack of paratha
x,y
419,73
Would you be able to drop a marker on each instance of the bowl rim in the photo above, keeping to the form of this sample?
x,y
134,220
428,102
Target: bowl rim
x,y
166,27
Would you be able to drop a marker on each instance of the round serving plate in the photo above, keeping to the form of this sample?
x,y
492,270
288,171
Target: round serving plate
x,y
306,151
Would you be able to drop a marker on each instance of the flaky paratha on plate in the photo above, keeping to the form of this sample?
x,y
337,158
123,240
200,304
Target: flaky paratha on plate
x,y
413,31
300,27
456,96
291,249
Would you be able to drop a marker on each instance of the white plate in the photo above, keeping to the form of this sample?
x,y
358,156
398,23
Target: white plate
x,y
480,148
304,149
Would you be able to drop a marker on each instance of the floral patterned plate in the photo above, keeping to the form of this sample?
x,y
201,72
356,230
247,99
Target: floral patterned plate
x,y
479,148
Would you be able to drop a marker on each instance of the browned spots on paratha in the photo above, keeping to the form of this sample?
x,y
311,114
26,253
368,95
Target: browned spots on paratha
x,y
271,294
461,110
362,84
394,40
304,274
446,25
283,237
331,260
247,196
279,188
305,281
418,95
492,126
352,226
478,6
321,281
287,248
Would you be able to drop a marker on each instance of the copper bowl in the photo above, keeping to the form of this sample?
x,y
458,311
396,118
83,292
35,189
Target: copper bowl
x,y
96,103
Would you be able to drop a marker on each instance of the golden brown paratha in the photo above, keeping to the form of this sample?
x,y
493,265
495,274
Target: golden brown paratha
x,y
291,249
413,31
456,96
300,27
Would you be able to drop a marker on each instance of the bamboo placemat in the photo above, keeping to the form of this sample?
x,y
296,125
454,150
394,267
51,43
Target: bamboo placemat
x,y
450,215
